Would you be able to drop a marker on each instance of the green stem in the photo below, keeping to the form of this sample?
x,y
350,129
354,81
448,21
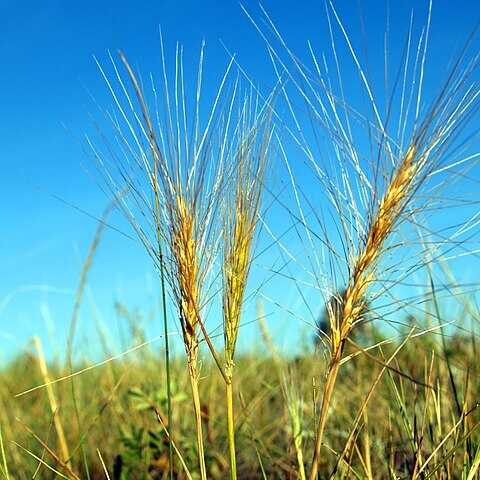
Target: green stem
x,y
167,361
198,415
156,158
231,430
4,470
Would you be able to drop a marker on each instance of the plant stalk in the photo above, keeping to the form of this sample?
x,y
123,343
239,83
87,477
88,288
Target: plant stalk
x,y
327,396
167,364
231,430
192,364
156,189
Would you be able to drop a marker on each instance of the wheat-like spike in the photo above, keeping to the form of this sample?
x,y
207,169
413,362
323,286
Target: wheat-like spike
x,y
242,208
363,272
185,257
237,262
383,221
238,247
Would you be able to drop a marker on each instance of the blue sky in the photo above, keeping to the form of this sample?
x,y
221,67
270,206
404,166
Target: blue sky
x,y
47,51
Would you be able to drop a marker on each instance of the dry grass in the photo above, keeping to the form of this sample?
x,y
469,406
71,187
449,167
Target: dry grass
x,y
406,423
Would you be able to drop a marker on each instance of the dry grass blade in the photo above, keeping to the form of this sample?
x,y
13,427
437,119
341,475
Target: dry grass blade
x,y
42,462
107,475
452,432
170,439
92,367
62,443
4,464
55,457
475,465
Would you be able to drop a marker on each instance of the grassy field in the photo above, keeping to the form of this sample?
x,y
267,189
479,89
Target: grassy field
x,y
420,424
363,193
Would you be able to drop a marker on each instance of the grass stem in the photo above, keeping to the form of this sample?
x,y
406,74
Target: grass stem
x,y
327,397
231,431
192,361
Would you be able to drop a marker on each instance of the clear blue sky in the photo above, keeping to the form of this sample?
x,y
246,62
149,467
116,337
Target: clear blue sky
x,y
47,51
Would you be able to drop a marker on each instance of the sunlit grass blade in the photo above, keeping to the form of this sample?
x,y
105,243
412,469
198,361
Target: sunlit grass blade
x,y
4,466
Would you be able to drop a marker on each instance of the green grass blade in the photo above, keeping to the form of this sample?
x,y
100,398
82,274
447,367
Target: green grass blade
x,y
453,450
167,359
475,465
4,467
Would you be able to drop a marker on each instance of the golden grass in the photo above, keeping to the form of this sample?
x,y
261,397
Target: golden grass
x,y
185,258
242,211
187,263
363,269
264,428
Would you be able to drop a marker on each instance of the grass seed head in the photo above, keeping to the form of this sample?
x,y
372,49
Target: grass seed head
x,y
242,210
185,256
